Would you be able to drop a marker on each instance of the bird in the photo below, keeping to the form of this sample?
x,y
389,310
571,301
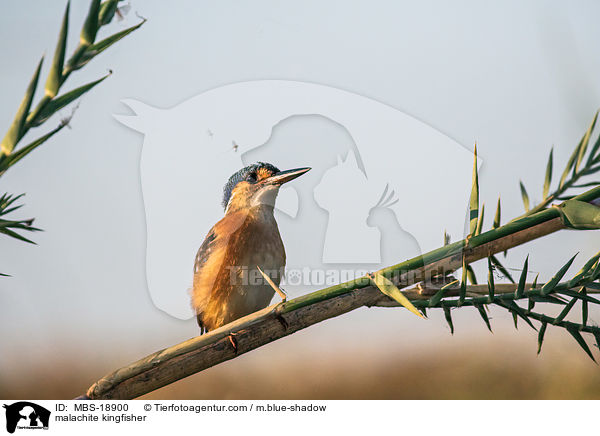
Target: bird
x,y
227,282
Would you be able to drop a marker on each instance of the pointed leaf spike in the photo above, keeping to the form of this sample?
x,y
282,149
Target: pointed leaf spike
x,y
471,275
484,316
569,165
584,308
63,100
389,289
24,151
584,143
548,177
480,220
55,76
491,287
530,304
517,310
565,311
497,216
583,271
15,132
91,24
541,336
434,301
549,287
524,196
592,157
98,47
448,317
523,279
463,282
474,200
575,333
107,11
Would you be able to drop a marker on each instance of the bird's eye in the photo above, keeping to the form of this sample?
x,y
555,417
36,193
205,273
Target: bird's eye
x,y
252,177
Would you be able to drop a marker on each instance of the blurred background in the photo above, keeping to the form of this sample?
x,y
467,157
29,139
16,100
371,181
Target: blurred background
x,y
516,78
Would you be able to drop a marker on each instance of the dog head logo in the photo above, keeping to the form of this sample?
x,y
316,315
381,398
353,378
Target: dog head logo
x,y
379,179
26,415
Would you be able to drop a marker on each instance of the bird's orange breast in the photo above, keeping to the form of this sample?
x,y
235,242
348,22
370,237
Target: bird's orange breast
x,y
227,284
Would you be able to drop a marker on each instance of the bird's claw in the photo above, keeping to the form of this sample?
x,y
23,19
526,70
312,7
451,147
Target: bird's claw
x,y
282,321
233,341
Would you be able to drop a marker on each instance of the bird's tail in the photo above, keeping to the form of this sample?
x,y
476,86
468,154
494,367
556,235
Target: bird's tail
x,y
201,324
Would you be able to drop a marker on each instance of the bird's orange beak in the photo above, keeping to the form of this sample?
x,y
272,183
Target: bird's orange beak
x,y
285,176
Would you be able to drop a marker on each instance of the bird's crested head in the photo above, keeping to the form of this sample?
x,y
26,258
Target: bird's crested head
x,y
256,184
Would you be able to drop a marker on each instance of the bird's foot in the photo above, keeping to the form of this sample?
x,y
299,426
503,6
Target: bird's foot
x,y
282,321
233,341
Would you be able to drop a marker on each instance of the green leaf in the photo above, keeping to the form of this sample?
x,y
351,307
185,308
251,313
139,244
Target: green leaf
x,y
548,177
524,196
474,200
471,275
597,337
580,215
570,165
480,220
516,310
448,317
575,333
501,268
389,289
55,76
583,271
523,279
596,273
592,156
530,304
91,25
580,296
515,320
565,311
497,216
434,301
13,158
107,11
481,310
97,48
6,200
60,102
584,308
463,282
541,336
446,238
584,143
15,235
549,287
548,299
586,185
16,129
491,287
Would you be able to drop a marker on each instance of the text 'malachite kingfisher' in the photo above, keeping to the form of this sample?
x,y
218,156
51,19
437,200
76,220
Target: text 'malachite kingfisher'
x,y
227,283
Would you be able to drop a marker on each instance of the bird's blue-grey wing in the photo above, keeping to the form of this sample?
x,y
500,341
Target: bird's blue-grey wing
x,y
202,257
